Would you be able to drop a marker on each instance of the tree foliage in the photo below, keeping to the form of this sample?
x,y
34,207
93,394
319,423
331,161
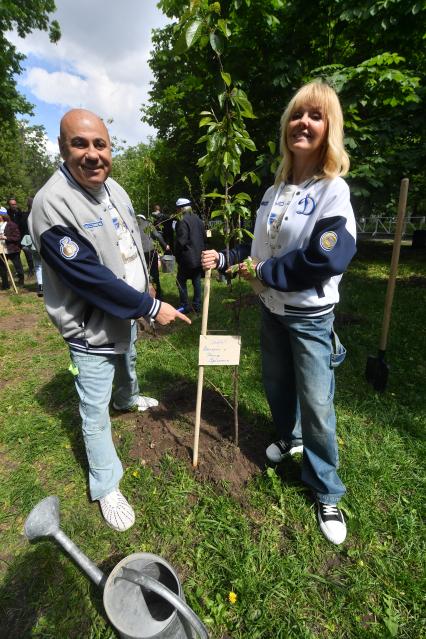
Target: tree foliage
x,y
24,162
135,168
24,17
372,52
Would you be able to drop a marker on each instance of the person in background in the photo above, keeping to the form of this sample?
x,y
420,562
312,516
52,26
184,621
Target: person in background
x,y
304,240
165,224
96,285
10,239
190,242
149,236
21,219
27,243
156,215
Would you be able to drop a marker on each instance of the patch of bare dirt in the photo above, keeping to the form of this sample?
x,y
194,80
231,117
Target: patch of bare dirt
x,y
19,322
170,429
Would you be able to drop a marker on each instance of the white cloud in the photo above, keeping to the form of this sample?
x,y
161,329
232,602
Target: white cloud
x,y
52,148
100,62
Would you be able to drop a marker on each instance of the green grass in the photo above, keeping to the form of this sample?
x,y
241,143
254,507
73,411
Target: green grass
x,y
266,548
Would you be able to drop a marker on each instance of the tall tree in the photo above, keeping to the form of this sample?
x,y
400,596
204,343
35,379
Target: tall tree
x,y
371,51
24,17
24,162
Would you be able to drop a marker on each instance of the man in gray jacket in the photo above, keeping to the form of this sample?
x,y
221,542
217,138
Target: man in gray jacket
x,y
96,285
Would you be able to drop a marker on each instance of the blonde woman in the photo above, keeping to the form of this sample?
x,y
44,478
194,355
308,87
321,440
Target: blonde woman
x,y
304,239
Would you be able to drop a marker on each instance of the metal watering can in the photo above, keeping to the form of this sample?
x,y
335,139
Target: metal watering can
x,y
143,597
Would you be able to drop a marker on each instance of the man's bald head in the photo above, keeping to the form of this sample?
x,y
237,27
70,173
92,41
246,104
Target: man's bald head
x,y
86,147
77,117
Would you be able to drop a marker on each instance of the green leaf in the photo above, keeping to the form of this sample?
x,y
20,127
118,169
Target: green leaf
x,y
242,197
216,195
205,121
216,42
226,77
180,46
391,625
193,32
224,27
272,147
248,144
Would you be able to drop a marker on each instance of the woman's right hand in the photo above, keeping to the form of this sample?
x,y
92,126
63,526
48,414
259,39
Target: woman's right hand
x,y
209,259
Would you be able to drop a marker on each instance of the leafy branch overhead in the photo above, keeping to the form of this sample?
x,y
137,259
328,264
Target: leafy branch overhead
x,y
226,137
372,51
24,17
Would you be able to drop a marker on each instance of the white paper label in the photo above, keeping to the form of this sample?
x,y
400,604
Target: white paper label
x,y
219,350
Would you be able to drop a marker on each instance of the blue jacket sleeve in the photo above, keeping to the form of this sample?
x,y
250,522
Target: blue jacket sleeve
x,y
78,266
236,255
329,252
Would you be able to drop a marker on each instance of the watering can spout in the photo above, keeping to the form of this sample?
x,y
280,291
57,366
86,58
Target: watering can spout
x,y
43,520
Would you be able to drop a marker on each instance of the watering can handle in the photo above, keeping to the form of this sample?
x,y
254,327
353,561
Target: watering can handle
x,y
150,583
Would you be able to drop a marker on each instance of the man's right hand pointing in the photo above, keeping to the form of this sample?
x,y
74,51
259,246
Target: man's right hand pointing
x,y
168,313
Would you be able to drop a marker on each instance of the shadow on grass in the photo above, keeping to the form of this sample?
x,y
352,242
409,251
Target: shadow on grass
x,y
26,597
59,398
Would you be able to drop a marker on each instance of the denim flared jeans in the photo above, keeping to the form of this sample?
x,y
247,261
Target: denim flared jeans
x,y
298,362
94,382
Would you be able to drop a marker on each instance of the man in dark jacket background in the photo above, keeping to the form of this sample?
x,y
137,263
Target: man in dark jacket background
x,y
190,241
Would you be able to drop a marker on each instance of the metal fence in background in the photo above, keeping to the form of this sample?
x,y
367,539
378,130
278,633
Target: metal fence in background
x,y
385,226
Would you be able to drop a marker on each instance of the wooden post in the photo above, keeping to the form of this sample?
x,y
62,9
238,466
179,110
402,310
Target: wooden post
x,y
201,368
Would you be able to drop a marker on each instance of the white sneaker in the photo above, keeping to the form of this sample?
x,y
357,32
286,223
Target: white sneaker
x,y
331,523
142,403
117,511
277,451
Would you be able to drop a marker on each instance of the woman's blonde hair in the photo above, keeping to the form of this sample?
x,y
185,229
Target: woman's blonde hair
x,y
334,160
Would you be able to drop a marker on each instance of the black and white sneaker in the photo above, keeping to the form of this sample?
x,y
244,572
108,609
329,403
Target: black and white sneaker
x,y
331,523
277,451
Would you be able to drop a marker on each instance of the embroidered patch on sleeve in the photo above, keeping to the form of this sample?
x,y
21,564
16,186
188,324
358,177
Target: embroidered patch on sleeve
x,y
328,240
68,248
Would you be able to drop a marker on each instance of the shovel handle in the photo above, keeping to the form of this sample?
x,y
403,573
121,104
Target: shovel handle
x,y
204,320
394,262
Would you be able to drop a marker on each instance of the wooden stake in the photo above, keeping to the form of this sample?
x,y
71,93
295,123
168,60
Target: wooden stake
x,y
6,261
236,426
204,319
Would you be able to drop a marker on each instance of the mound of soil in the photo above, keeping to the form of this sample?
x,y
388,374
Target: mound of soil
x,y
170,429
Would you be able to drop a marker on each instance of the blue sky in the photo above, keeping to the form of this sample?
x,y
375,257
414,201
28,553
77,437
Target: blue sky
x,y
100,63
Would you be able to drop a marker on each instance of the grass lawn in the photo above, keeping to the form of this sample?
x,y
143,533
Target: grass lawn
x,y
262,543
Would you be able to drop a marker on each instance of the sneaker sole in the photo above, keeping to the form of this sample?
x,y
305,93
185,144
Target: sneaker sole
x,y
293,451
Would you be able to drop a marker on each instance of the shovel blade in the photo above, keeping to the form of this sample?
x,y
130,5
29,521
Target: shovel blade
x,y
377,372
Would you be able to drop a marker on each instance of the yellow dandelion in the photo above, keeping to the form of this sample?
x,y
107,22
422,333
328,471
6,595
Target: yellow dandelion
x,y
136,473
232,597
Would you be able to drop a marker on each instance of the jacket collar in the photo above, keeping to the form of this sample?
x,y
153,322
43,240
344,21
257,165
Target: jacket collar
x,y
67,173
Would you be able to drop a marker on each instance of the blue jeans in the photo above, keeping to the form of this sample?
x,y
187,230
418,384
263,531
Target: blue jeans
x,y
195,277
96,374
38,268
298,360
